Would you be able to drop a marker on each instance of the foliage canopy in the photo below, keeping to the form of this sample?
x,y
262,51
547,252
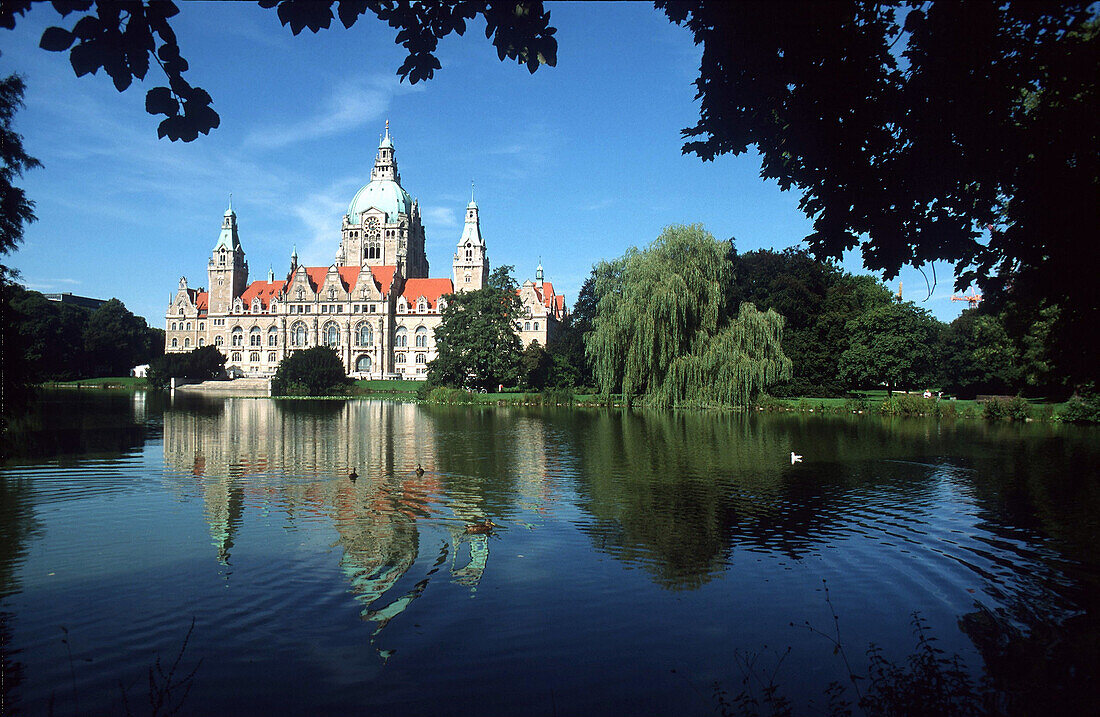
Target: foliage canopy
x,y
663,326
126,39
316,371
476,340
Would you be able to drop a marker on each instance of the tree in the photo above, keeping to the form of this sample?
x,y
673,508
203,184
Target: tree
x,y
115,341
892,345
978,356
16,211
663,328
476,340
316,371
535,364
203,364
569,365
858,104
126,39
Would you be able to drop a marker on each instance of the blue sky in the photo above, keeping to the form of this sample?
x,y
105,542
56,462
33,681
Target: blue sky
x,y
572,164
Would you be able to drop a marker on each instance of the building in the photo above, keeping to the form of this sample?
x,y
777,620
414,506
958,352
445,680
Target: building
x,y
375,304
85,302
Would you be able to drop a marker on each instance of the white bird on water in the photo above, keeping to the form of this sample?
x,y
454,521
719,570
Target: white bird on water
x,y
795,458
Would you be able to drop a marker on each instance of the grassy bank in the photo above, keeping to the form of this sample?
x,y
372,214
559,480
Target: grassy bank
x,y
126,382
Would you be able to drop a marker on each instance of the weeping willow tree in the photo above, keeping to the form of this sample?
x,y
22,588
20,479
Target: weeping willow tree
x,y
664,330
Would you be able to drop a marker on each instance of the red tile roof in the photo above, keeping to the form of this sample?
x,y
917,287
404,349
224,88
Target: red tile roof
x,y
349,276
265,290
430,289
547,294
202,300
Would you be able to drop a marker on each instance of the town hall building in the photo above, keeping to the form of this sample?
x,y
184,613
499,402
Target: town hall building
x,y
375,304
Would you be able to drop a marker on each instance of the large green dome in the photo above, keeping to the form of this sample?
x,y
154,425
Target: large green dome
x,y
384,194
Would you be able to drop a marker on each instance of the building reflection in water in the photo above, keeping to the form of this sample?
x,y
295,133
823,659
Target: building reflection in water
x,y
295,457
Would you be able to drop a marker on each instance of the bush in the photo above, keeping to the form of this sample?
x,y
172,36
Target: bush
x,y
317,371
449,396
904,404
553,396
1012,409
1082,409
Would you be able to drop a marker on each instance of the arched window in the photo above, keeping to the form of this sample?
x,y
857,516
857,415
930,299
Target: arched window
x,y
181,311
271,357
218,340
187,343
399,358
173,325
298,334
401,338
526,325
202,342
273,336
254,357
332,334
421,337
257,307
175,343
365,334
238,336
422,306
536,326
202,326
422,358
363,364
236,357
255,336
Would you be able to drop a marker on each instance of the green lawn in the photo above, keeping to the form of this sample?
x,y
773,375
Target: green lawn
x,y
105,382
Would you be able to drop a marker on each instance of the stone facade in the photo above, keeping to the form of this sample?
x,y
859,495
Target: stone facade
x,y
375,304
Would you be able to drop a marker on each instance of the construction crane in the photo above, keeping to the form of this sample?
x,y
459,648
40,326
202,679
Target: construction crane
x,y
972,300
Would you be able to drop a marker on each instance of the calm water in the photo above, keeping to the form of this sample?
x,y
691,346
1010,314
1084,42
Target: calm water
x,y
638,557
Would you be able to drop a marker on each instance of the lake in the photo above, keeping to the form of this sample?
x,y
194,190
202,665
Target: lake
x,y
638,559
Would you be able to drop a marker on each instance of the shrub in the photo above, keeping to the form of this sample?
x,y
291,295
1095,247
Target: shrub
x,y
449,396
1012,409
1082,409
904,404
553,396
317,371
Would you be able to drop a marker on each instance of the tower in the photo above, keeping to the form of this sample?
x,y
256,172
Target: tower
x,y
382,226
471,265
227,269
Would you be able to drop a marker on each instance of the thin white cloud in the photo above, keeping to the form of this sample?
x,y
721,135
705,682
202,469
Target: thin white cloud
x,y
439,217
351,105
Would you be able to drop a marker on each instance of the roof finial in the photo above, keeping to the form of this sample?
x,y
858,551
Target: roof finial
x,y
471,190
387,128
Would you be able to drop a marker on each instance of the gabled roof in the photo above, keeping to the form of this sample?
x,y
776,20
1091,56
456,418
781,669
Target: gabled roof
x,y
264,290
202,300
430,289
349,276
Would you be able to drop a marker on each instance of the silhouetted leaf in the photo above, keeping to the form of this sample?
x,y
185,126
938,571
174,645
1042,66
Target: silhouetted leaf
x,y
159,101
56,39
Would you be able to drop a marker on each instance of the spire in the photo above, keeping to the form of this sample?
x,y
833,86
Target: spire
x,y
228,237
472,202
471,232
270,273
538,273
385,164
294,258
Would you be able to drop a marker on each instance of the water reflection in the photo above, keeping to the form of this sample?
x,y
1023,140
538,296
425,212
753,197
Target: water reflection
x,y
297,457
986,526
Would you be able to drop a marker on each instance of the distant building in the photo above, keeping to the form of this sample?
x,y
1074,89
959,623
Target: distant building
x,y
374,304
82,301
